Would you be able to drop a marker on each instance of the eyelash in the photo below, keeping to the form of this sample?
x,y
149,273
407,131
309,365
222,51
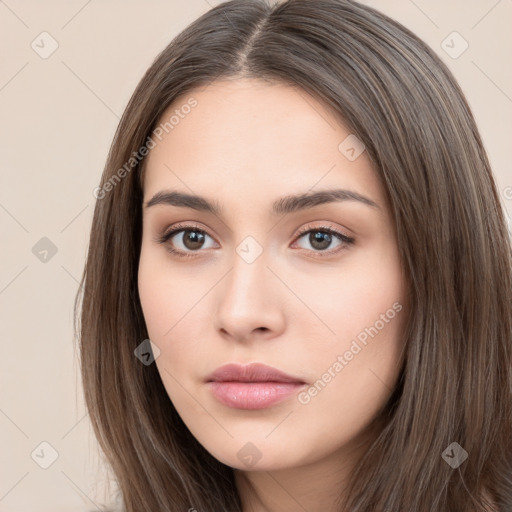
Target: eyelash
x,y
163,239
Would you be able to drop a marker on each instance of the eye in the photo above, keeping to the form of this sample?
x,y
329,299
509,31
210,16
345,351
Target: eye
x,y
188,239
321,238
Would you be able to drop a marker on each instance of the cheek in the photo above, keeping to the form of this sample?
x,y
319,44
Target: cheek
x,y
165,292
353,378
164,303
175,310
359,294
365,306
155,298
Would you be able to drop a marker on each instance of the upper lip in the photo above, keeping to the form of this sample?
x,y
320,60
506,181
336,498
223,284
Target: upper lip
x,y
253,372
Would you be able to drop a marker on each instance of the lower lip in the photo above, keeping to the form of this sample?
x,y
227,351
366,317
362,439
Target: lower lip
x,y
253,395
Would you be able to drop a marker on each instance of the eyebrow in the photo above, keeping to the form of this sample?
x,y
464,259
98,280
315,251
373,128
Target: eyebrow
x,y
283,205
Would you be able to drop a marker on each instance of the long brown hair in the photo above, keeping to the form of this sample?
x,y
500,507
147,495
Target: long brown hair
x,y
403,103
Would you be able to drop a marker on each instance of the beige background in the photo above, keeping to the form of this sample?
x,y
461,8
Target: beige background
x,y
58,119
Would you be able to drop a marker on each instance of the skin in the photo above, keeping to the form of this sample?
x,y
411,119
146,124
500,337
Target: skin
x,y
245,144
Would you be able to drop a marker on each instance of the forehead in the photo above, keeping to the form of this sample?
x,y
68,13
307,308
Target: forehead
x,y
247,136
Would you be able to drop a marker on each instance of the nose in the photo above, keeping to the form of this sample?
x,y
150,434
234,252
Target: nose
x,y
250,301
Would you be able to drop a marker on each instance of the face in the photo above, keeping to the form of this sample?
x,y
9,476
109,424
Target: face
x,y
312,288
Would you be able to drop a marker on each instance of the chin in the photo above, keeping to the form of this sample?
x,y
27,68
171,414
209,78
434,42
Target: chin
x,y
256,455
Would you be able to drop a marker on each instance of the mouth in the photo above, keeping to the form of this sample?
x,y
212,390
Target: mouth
x,y
252,386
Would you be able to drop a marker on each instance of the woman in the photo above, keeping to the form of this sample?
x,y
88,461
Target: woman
x,y
298,287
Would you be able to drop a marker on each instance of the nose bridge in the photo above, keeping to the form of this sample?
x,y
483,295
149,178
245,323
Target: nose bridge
x,y
246,300
247,278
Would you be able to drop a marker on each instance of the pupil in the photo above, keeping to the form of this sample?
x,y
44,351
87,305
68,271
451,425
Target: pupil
x,y
193,239
318,237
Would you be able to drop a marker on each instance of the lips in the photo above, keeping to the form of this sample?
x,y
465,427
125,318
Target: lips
x,y
254,372
252,386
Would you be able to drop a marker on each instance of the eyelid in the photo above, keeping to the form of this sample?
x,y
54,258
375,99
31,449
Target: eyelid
x,y
176,228
324,228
